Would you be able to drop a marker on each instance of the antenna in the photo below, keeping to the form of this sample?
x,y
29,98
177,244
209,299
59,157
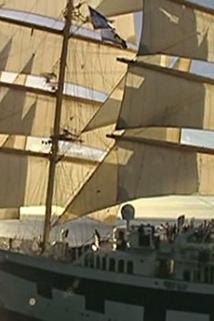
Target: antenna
x,y
56,132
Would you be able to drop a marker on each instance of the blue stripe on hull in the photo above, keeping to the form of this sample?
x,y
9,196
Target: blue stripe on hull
x,y
7,315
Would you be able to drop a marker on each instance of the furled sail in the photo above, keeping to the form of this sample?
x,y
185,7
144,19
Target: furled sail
x,y
179,28
142,168
157,96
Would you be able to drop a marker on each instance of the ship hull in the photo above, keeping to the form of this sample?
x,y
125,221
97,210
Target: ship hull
x,y
7,315
35,288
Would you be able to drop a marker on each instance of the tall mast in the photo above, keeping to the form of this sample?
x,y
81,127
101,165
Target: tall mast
x,y
55,138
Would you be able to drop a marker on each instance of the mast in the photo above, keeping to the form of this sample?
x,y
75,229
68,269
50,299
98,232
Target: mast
x,y
55,137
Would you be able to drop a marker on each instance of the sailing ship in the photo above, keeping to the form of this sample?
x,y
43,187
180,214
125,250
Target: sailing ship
x,y
51,98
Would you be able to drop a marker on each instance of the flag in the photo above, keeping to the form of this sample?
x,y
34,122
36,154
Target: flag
x,y
108,33
98,20
111,36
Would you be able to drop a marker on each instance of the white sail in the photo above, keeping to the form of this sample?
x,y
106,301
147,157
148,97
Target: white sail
x,y
107,7
94,77
108,113
134,170
23,180
179,28
86,56
37,6
24,173
157,96
113,8
29,61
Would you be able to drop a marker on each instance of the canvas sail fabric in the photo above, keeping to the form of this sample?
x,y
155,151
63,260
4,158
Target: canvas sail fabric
x,y
23,180
29,113
156,96
24,177
134,170
107,7
25,111
90,64
178,28
94,65
70,177
117,7
19,44
38,7
28,51
108,113
10,141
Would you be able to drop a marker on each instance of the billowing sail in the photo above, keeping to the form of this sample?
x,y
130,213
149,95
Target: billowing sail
x,y
24,166
179,28
157,96
135,169
30,47
21,105
94,65
108,112
22,173
30,50
85,47
86,180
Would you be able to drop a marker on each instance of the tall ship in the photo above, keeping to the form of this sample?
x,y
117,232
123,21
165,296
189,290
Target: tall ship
x,y
89,123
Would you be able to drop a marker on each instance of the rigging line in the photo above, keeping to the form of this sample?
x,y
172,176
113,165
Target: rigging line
x,y
94,52
103,103
82,122
75,176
